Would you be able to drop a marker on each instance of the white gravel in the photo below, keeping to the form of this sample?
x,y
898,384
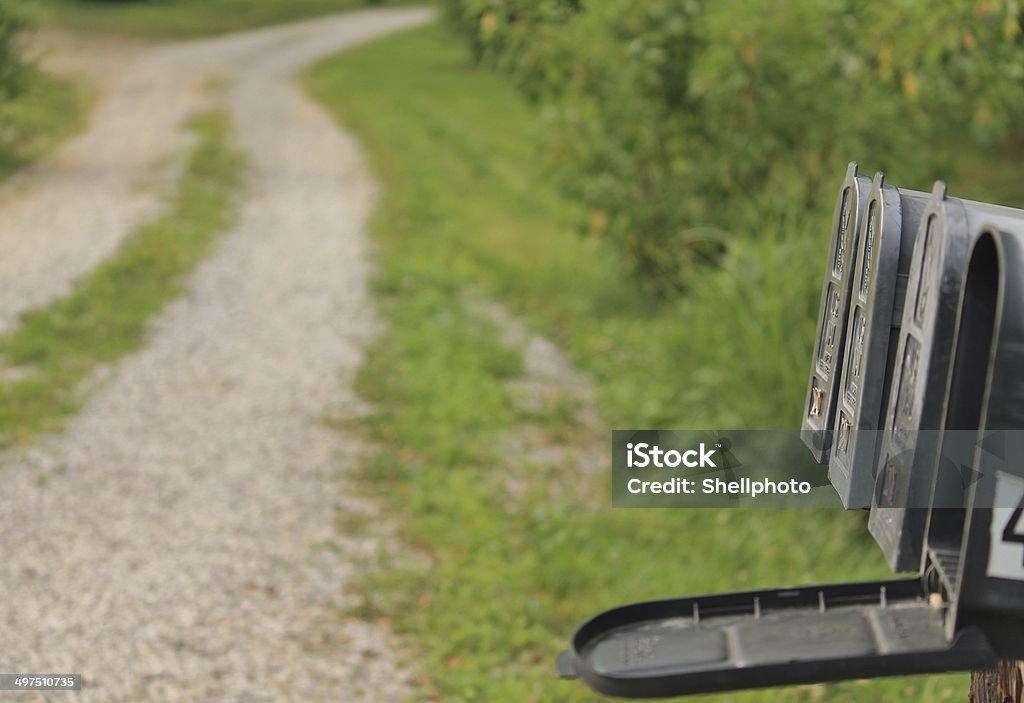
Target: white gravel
x,y
177,542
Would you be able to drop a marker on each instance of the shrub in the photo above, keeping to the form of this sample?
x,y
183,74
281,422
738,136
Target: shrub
x,y
14,75
12,68
507,33
666,116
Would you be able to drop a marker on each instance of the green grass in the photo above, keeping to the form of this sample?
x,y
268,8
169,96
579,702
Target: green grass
x,y
105,316
49,110
502,579
184,18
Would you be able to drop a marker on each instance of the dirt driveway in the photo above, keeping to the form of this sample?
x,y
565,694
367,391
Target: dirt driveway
x,y
178,542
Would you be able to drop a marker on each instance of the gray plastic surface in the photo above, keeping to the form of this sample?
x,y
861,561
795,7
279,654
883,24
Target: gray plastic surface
x,y
879,287
768,638
986,580
833,310
920,380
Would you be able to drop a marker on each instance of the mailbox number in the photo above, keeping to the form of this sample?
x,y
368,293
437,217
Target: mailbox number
x,y
1010,533
1006,551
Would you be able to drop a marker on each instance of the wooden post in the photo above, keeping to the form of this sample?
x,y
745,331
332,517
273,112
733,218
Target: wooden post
x,y
1004,684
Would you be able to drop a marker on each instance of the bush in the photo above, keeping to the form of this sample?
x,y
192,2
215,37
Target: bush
x,y
13,71
505,32
14,75
666,117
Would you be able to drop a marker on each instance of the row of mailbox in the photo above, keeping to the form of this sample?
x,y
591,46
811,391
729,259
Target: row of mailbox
x,y
920,339
921,330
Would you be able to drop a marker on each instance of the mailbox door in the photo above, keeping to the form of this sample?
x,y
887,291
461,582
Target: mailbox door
x,y
992,574
969,387
917,396
910,479
826,366
879,287
768,638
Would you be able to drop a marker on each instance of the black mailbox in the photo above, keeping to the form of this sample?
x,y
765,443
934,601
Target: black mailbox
x,y
974,554
826,365
959,492
920,380
880,278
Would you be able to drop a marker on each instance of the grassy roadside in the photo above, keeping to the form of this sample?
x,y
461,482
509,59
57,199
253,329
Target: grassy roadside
x,y
50,110
106,314
466,214
185,18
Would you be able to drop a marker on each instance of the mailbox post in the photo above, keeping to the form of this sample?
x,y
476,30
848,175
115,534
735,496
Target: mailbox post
x,y
1004,684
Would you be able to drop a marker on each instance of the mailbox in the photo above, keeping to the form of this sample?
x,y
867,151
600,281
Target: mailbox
x,y
879,287
826,365
974,554
917,395
921,336
964,609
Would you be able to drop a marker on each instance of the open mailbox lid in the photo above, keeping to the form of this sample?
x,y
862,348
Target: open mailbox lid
x,y
770,637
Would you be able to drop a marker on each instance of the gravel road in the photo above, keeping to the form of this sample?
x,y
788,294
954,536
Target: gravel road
x,y
177,542
69,212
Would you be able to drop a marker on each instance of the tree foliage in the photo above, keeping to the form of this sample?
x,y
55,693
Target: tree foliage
x,y
668,117
12,67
